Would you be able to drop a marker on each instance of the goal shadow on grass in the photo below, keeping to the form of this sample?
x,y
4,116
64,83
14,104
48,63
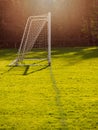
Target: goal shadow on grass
x,y
27,67
64,125
7,70
25,70
37,66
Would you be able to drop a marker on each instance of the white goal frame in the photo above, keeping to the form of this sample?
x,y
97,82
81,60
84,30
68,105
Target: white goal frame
x,y
21,50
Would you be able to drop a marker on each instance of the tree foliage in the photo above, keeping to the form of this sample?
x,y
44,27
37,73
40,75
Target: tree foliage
x,y
73,21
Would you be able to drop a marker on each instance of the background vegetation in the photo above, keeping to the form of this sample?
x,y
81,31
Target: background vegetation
x,y
74,22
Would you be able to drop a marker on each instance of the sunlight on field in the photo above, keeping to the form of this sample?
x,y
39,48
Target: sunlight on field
x,y
64,96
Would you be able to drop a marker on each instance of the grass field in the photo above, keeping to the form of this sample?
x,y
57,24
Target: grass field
x,y
61,97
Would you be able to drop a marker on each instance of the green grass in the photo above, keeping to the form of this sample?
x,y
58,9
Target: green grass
x,y
61,97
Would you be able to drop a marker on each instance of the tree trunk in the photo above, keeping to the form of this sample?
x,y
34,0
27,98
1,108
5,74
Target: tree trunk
x,y
89,5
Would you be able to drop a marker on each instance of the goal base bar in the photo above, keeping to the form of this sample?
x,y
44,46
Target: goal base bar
x,y
27,65
17,63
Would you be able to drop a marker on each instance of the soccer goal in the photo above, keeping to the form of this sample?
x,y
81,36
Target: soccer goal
x,y
36,41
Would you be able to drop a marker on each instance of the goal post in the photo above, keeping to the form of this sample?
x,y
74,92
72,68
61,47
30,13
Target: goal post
x,y
49,38
36,36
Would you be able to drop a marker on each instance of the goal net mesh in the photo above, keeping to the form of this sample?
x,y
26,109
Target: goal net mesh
x,y
36,35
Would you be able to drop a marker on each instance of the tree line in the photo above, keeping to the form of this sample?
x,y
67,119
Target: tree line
x,y
74,22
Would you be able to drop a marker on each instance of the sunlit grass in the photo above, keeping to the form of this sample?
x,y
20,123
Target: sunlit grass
x,y
64,96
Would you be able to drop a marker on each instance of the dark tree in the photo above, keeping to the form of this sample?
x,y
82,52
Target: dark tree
x,y
74,22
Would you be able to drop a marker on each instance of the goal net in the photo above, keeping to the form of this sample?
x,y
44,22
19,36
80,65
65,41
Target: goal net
x,y
36,41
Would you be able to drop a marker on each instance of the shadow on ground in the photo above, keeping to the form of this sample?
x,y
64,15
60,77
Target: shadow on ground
x,y
75,55
63,118
8,54
72,55
26,72
83,52
11,54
